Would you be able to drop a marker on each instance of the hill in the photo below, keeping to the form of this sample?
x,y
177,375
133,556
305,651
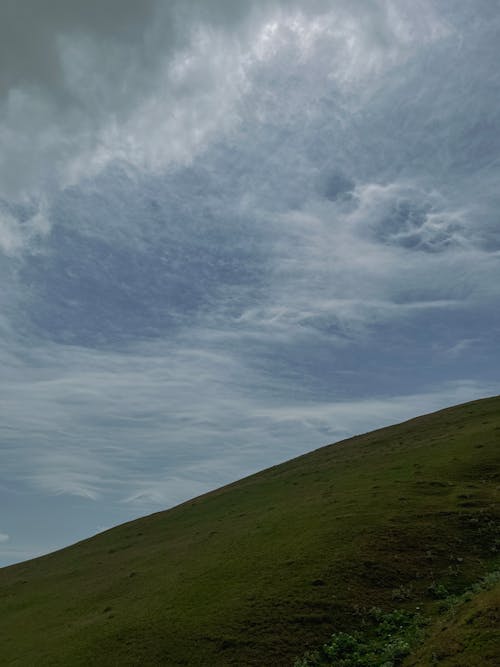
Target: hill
x,y
259,571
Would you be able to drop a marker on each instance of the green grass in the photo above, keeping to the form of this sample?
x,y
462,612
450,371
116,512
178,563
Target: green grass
x,y
260,571
467,633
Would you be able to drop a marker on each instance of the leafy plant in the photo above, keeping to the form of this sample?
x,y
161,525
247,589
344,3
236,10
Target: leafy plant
x,y
438,591
387,640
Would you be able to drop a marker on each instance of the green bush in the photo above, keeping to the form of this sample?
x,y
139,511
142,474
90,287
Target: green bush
x,y
438,591
385,643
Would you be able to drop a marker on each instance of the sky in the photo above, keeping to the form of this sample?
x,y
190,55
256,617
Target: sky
x,y
230,233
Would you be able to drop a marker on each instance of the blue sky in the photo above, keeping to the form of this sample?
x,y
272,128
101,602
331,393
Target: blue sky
x,y
231,233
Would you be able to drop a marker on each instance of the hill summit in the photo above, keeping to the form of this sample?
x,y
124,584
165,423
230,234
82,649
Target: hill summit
x,y
403,519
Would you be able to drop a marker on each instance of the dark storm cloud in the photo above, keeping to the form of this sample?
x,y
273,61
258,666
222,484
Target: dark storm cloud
x,y
29,32
82,84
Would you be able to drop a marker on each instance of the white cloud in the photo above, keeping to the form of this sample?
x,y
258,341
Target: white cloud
x,y
10,234
15,236
151,86
156,424
4,538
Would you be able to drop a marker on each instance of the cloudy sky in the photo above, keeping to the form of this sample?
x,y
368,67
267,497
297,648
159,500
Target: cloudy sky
x,y
231,232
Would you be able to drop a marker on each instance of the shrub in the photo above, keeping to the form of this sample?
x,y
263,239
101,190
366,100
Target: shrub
x,y
438,591
385,643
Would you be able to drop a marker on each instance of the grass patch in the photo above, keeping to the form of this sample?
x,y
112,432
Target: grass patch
x,y
466,632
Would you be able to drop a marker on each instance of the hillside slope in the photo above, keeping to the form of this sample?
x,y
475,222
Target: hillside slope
x,y
258,571
467,635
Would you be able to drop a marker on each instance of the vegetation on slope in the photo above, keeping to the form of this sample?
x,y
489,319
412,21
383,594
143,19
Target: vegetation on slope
x,y
467,632
264,569
467,635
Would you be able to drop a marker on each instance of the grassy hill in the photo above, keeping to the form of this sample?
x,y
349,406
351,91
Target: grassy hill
x,y
259,571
